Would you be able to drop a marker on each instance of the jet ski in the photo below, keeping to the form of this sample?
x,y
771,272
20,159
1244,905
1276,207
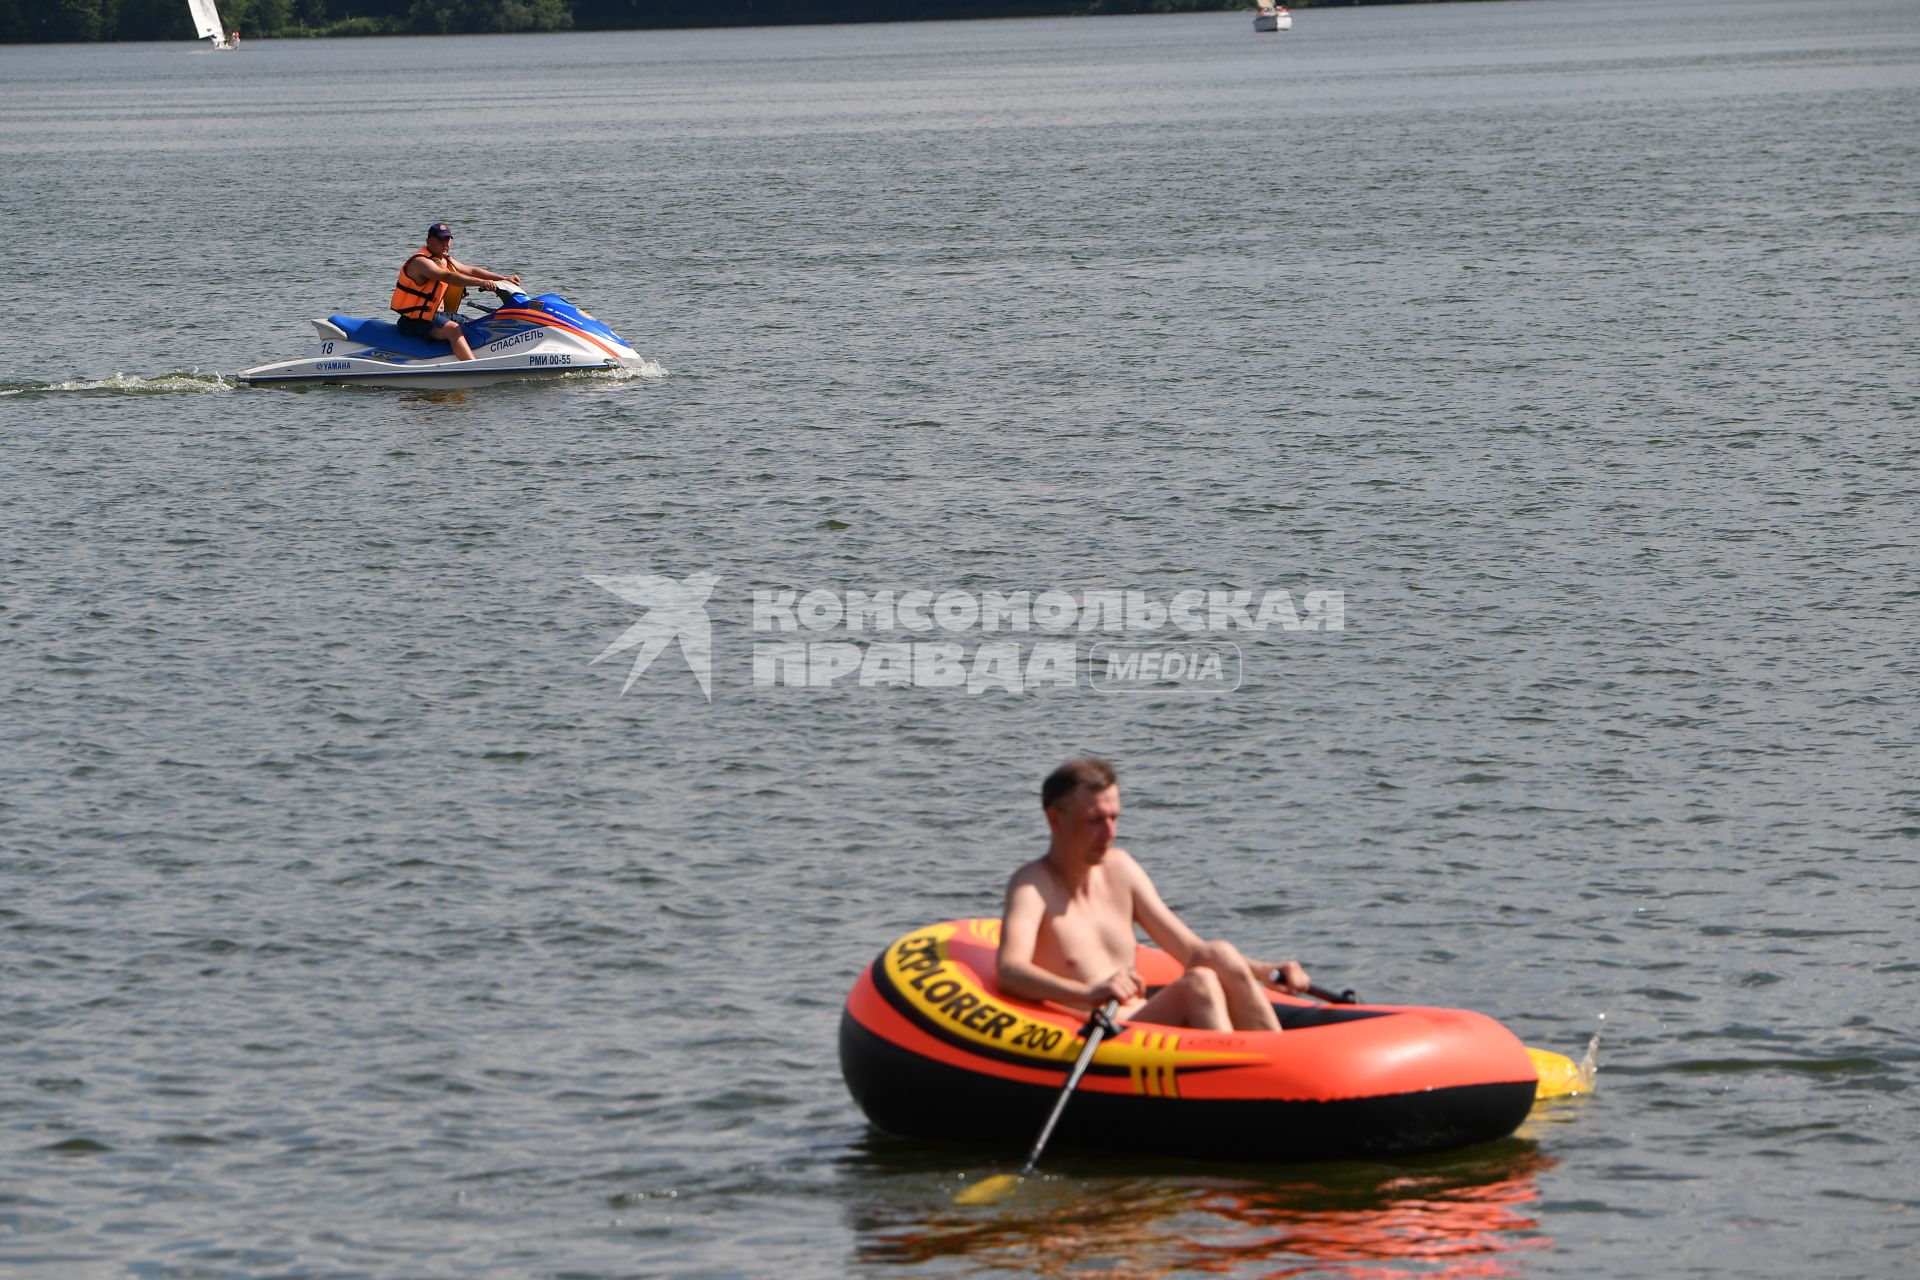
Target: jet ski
x,y
526,336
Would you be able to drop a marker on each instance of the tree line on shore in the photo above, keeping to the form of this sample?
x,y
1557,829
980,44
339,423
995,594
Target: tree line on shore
x,y
32,21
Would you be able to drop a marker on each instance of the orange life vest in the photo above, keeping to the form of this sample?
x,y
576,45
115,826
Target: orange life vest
x,y
414,300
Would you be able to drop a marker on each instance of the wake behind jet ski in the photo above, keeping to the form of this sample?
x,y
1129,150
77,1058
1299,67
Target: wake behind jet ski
x,y
525,336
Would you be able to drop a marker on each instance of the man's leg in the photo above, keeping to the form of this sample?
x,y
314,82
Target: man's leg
x,y
449,330
1246,1000
1194,1001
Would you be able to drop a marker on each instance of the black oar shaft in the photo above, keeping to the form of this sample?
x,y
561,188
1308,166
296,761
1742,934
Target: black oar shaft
x,y
1095,1031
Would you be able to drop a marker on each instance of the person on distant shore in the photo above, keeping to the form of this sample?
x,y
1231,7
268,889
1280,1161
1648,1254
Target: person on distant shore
x,y
422,288
1066,934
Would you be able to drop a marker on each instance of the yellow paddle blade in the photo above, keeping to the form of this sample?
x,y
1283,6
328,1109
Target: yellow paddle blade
x,y
989,1190
1560,1076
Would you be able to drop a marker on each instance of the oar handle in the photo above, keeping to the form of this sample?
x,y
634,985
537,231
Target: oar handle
x,y
1344,997
1096,1030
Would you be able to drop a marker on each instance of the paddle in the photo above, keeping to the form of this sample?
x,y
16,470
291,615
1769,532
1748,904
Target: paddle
x,y
1001,1185
1559,1074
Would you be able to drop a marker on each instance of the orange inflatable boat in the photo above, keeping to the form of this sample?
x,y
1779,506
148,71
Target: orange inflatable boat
x,y
931,1049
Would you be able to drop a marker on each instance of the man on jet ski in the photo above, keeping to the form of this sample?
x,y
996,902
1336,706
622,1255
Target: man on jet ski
x,y
422,287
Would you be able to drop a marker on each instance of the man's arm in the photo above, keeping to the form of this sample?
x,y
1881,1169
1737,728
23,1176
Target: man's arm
x,y
1287,975
1177,940
1154,915
1019,976
457,273
480,274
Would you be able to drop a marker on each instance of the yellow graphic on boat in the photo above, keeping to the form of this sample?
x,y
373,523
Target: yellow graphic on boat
x,y
950,995
1154,1075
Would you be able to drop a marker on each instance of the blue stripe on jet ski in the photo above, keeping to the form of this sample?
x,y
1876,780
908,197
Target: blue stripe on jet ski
x,y
382,334
560,307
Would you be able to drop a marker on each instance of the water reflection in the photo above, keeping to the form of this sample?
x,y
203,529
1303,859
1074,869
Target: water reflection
x,y
1458,1215
438,396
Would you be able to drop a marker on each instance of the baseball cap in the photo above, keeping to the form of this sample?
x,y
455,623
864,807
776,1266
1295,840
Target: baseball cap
x,y
439,231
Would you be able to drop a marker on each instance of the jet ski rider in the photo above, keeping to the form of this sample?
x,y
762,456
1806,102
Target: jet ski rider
x,y
422,287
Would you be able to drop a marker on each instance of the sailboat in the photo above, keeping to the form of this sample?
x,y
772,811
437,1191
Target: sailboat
x,y
206,23
1272,16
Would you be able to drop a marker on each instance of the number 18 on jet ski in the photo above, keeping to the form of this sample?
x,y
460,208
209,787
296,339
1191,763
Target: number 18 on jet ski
x,y
430,343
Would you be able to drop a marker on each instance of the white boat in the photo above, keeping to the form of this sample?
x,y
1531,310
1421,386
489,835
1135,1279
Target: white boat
x,y
1275,18
206,23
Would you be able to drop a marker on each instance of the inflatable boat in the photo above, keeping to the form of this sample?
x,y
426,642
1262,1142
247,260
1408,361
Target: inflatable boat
x,y
931,1049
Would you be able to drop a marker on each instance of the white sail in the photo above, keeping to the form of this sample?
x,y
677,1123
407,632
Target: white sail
x,y
206,20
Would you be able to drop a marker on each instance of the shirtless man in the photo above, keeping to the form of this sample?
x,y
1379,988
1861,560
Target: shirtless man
x,y
1067,932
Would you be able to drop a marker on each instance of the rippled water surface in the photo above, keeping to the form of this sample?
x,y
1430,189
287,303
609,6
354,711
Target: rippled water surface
x,y
354,922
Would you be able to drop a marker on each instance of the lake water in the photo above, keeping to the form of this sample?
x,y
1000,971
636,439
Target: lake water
x,y
353,922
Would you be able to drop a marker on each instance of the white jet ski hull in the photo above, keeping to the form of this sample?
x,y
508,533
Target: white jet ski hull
x,y
527,338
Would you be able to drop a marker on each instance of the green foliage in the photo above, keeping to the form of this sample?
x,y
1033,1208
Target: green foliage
x,y
361,26
153,20
81,20
441,16
268,15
